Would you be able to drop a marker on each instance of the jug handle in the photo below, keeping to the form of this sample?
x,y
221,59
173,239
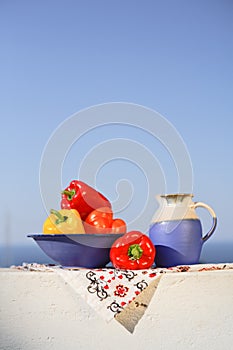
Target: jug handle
x,y
212,213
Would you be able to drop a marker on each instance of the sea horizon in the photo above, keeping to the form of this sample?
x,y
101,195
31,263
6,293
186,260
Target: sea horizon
x,y
216,252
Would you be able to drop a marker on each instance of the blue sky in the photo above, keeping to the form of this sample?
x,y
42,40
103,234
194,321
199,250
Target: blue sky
x,y
59,57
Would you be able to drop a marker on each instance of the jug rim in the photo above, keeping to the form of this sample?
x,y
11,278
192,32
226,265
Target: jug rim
x,y
170,195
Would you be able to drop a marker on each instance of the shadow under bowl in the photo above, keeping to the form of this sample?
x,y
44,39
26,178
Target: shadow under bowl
x,y
77,250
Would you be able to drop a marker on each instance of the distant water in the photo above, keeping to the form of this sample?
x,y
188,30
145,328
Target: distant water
x,y
17,255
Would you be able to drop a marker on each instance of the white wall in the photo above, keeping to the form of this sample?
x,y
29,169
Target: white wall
x,y
188,311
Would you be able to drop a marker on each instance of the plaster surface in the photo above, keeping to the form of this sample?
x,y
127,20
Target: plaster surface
x,y
38,310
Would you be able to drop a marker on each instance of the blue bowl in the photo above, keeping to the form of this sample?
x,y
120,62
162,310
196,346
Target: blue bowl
x,y
77,250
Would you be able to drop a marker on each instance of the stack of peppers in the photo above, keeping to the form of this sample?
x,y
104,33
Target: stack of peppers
x,y
85,210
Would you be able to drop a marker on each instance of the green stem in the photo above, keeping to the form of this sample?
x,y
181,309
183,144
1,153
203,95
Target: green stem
x,y
60,218
70,194
135,252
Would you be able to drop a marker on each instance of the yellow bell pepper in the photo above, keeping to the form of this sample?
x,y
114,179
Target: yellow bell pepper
x,y
63,221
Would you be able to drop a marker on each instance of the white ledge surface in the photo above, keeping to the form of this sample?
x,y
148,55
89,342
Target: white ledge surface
x,y
38,310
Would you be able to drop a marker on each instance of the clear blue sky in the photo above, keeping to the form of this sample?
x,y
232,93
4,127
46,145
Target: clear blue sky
x,y
58,57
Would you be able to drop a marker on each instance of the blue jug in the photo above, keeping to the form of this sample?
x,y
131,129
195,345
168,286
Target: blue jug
x,y
176,230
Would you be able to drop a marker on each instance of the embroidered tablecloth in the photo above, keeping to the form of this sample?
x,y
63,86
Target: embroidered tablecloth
x,y
109,291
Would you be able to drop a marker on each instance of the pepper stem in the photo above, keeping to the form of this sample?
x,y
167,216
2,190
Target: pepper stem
x,y
70,194
135,252
60,218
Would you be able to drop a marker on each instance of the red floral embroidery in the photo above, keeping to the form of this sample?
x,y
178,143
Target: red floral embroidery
x,y
210,268
153,274
183,268
121,290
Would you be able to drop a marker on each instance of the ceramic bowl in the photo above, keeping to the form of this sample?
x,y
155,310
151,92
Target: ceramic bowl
x,y
77,250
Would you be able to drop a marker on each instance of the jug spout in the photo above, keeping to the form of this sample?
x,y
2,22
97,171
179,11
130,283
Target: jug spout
x,y
176,198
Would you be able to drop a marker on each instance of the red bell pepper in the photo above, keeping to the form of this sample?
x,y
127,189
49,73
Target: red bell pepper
x,y
82,197
101,221
118,226
133,251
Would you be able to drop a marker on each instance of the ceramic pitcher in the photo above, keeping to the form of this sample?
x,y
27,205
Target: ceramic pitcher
x,y
176,230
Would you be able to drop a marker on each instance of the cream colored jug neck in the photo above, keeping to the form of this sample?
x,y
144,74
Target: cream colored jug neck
x,y
175,207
